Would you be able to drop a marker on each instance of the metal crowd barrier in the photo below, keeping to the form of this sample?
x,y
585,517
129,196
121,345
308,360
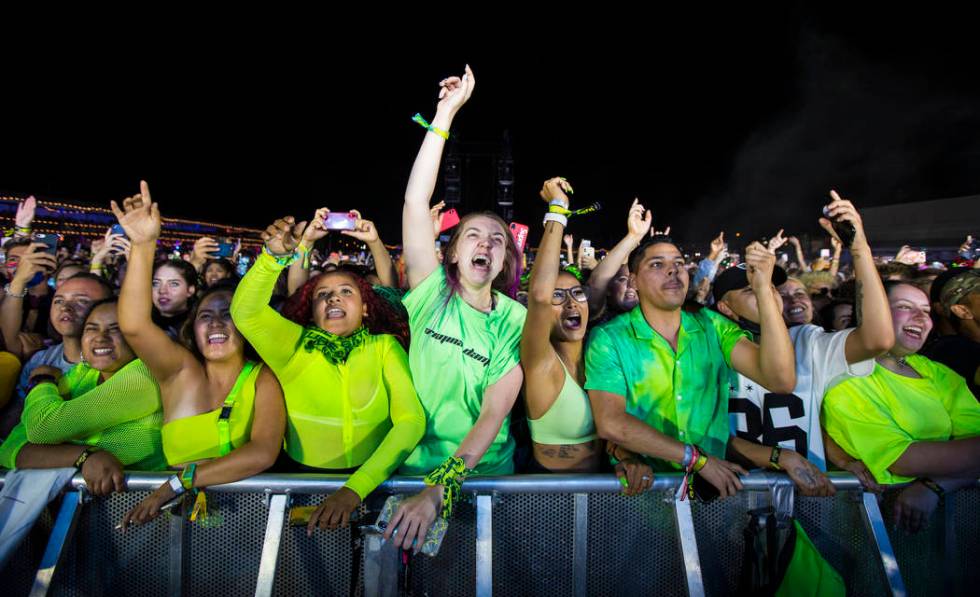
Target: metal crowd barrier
x,y
521,535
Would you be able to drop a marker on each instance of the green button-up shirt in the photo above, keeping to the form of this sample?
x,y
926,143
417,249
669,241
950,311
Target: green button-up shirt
x,y
682,394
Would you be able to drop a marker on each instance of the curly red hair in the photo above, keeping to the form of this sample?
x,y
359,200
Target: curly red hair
x,y
382,318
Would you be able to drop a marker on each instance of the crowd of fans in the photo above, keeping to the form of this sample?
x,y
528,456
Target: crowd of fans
x,y
448,360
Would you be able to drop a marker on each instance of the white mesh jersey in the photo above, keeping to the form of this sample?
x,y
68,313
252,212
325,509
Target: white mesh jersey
x,y
793,420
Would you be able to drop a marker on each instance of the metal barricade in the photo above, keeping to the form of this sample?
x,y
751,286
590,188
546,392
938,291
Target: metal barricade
x,y
521,535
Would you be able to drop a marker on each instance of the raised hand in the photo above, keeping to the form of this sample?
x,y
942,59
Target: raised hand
x,y
717,246
204,249
842,210
435,215
35,260
760,263
364,230
316,229
664,232
283,236
776,241
139,216
25,212
639,220
456,91
556,188
569,240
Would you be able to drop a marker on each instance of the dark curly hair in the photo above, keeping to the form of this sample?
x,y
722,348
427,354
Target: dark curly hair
x,y
382,318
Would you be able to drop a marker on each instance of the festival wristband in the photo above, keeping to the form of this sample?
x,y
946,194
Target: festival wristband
x,y
933,486
187,476
282,260
450,474
553,217
688,456
699,463
432,129
84,456
774,457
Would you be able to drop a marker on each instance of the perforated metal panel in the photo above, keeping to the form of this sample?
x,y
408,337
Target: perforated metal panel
x,y
633,546
224,559
532,544
965,505
19,573
719,526
317,565
104,561
836,527
453,572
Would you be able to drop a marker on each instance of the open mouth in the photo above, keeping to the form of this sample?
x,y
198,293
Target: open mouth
x,y
217,338
913,331
572,322
630,295
103,352
335,313
794,311
481,262
163,301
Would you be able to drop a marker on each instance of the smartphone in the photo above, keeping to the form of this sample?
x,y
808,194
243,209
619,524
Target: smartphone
x,y
340,221
588,251
118,229
520,235
825,253
51,240
449,219
242,265
225,250
845,230
433,539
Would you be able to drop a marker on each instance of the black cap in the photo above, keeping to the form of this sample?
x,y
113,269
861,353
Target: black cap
x,y
736,278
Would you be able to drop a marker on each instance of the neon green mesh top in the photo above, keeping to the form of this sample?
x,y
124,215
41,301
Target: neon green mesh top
x,y
360,413
122,415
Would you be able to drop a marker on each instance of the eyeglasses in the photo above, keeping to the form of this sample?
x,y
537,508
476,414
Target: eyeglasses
x,y
560,295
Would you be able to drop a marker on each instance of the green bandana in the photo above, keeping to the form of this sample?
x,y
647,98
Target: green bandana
x,y
335,348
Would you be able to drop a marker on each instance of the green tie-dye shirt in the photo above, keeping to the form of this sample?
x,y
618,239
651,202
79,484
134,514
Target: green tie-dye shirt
x,y
684,394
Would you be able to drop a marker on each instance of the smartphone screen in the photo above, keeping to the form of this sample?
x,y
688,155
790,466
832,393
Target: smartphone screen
x,y
340,221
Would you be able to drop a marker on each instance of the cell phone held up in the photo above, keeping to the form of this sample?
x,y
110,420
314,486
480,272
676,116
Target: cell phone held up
x,y
845,230
340,221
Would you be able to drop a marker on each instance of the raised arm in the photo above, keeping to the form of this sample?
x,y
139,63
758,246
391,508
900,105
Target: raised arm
x,y
772,362
874,334
299,271
417,236
12,309
637,226
804,266
140,218
367,233
544,372
273,336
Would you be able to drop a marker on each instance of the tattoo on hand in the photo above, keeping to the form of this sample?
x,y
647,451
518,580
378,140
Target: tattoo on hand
x,y
806,477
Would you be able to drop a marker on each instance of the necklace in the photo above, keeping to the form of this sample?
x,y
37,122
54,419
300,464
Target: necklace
x,y
900,360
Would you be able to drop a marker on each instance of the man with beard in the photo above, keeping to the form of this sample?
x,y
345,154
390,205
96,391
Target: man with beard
x,y
658,376
782,430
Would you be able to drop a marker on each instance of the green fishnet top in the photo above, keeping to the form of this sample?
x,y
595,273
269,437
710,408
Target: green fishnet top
x,y
122,415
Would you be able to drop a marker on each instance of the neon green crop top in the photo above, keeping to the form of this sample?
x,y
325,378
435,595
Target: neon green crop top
x,y
217,432
360,413
569,420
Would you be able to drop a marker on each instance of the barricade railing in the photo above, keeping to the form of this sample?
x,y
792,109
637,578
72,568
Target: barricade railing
x,y
525,534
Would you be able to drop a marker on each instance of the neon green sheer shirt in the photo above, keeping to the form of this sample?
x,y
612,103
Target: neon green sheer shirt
x,y
363,413
122,415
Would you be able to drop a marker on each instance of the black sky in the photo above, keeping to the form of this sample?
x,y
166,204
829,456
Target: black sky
x,y
737,120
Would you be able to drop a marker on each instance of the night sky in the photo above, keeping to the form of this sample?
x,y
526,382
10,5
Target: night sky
x,y
738,120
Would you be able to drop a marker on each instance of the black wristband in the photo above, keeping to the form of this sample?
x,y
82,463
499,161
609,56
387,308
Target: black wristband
x,y
84,456
933,486
774,457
